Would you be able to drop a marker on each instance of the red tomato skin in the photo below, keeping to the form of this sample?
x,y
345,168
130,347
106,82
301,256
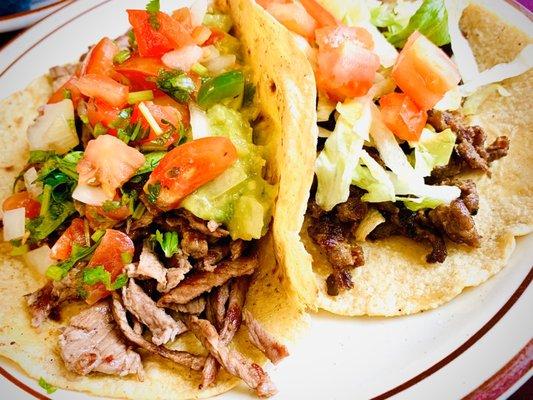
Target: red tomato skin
x,y
100,59
171,34
22,199
75,233
402,116
346,65
109,255
141,71
424,72
189,166
59,94
98,111
103,88
322,16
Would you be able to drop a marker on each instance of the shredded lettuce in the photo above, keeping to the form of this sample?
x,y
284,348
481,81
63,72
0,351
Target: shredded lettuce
x,y
433,150
373,178
336,163
372,219
431,19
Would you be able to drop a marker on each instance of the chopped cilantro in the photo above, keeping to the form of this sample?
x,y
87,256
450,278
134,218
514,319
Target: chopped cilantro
x,y
168,241
122,56
111,205
67,94
139,211
60,270
97,235
153,8
176,84
153,192
40,156
98,274
46,386
151,160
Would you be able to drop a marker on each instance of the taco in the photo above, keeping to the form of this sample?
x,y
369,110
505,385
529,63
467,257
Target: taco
x,y
138,225
421,177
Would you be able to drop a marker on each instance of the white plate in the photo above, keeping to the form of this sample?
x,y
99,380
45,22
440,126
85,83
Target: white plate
x,y
38,11
443,354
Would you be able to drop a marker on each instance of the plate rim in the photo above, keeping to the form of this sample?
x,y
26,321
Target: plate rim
x,y
31,11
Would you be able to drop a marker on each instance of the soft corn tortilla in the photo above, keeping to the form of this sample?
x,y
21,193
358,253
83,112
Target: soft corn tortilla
x,y
271,298
395,279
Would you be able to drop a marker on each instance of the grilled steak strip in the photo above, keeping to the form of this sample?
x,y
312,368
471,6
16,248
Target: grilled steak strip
x,y
455,221
216,305
264,341
230,326
163,327
179,357
233,361
177,273
150,267
199,282
92,342
202,226
195,306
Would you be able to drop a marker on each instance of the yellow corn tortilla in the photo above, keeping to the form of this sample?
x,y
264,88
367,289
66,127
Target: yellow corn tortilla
x,y
395,279
271,298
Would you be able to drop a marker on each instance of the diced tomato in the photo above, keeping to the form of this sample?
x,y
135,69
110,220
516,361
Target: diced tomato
x,y
99,218
99,111
295,18
74,234
189,166
424,72
346,64
109,162
69,87
153,42
402,116
22,199
103,88
141,71
113,249
164,110
183,58
100,58
322,16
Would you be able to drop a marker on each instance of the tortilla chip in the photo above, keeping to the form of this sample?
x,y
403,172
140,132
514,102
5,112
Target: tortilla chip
x,y
271,297
395,279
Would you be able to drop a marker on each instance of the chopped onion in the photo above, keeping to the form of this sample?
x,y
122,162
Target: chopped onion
x,y
372,219
14,224
92,195
183,58
150,119
30,178
199,123
208,53
386,52
54,129
39,259
220,63
198,10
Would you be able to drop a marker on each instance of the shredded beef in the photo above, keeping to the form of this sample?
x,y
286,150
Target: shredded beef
x,y
92,342
455,221
233,361
470,151
195,306
214,255
264,341
180,357
202,281
216,305
194,243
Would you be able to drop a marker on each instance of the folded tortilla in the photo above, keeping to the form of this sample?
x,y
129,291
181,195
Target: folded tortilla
x,y
285,93
396,280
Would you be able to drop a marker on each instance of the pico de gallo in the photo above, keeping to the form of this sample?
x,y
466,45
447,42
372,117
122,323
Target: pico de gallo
x,y
143,172
393,129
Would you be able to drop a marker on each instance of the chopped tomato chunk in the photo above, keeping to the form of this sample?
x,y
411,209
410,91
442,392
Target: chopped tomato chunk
x,y
99,111
22,199
103,88
68,89
424,72
402,116
75,233
141,71
184,17
201,34
171,34
187,167
100,58
295,18
108,162
166,114
346,64
319,13
114,248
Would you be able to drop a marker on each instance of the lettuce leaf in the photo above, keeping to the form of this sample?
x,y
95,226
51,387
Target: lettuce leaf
x,y
335,164
433,150
431,19
373,178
